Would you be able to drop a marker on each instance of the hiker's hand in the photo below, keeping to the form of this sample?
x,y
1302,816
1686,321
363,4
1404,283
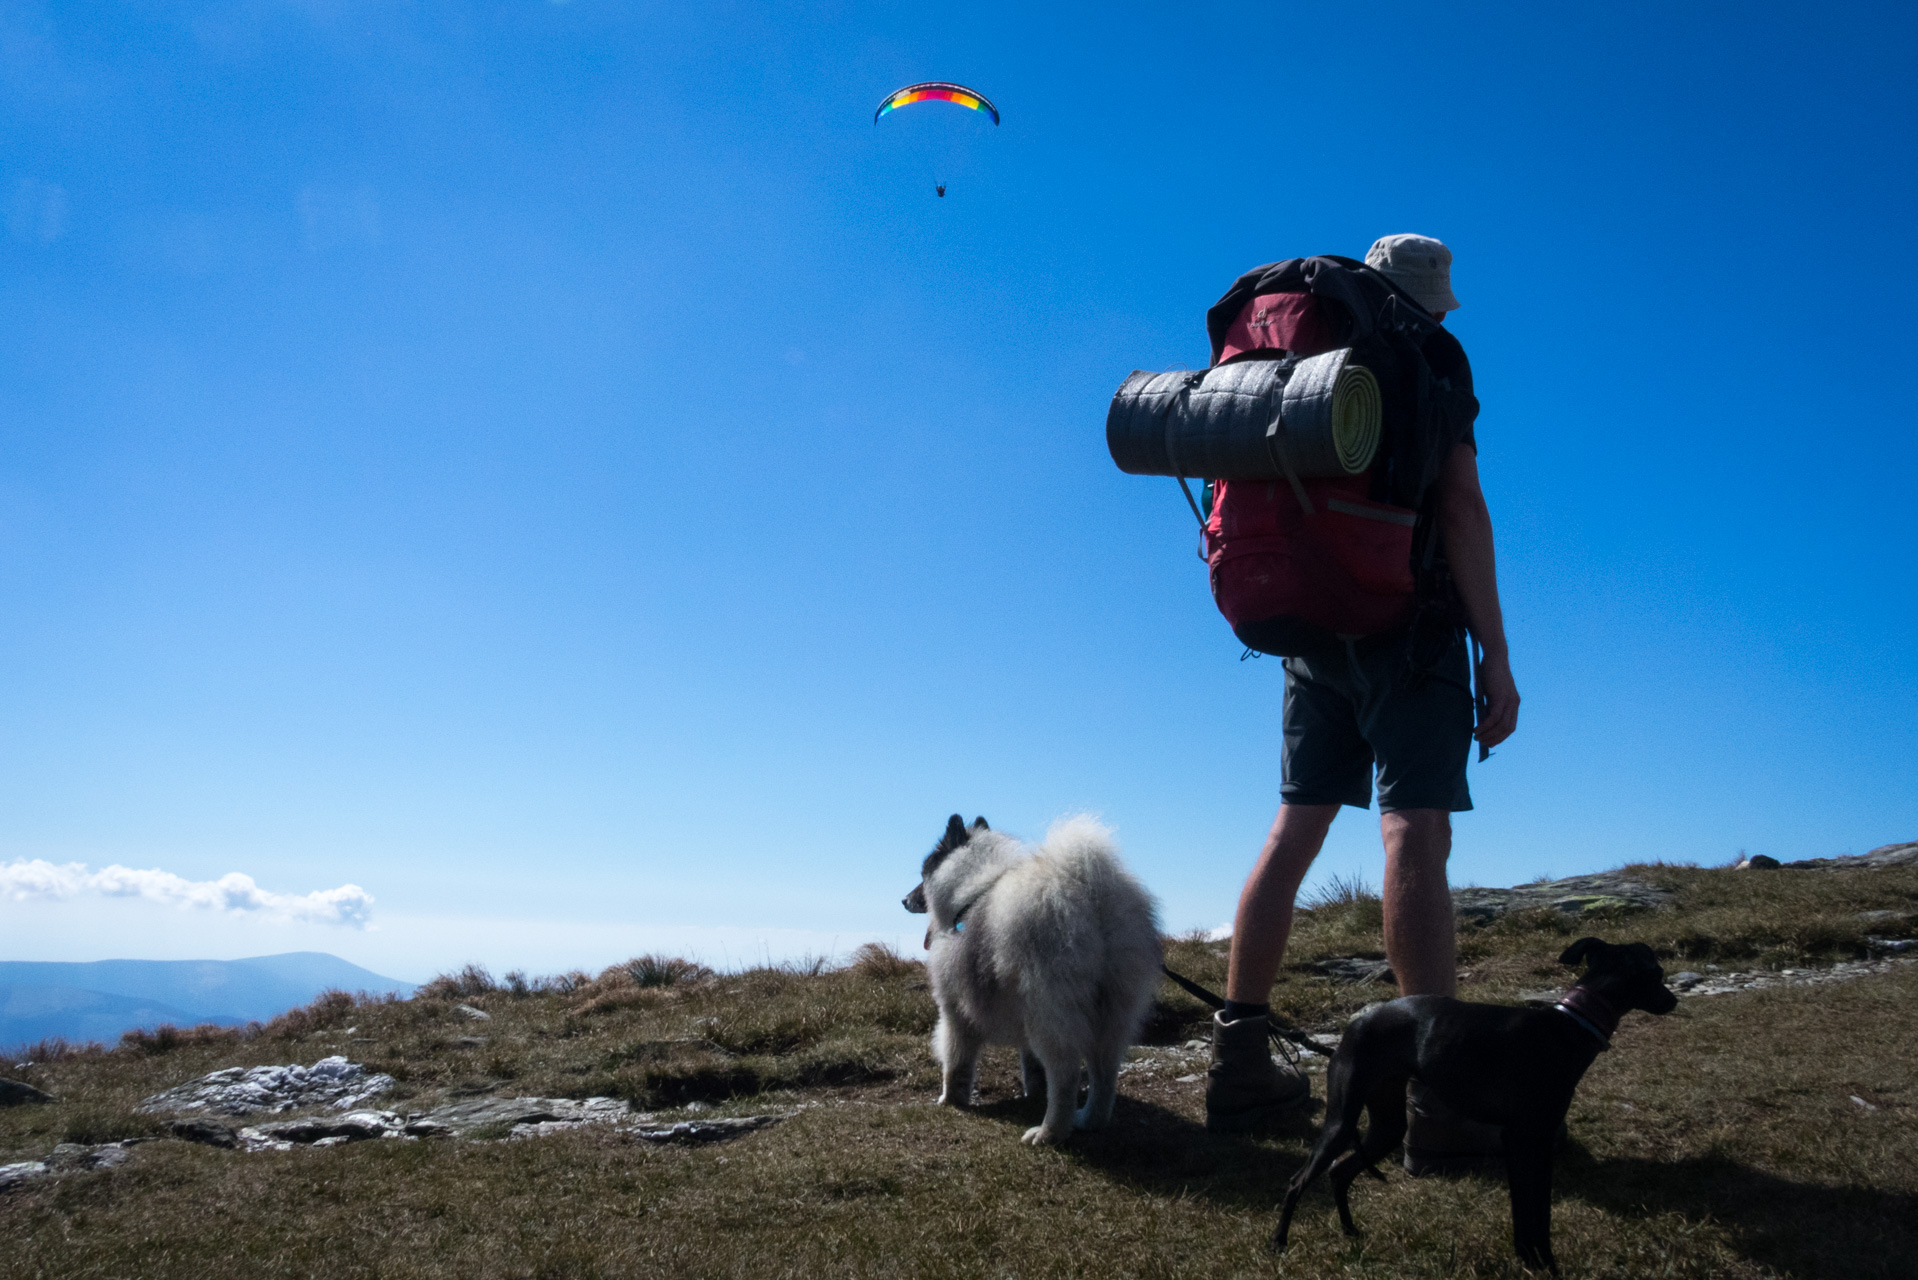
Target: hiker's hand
x,y
1500,715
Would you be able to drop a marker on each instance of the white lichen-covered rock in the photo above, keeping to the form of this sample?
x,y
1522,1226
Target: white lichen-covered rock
x,y
330,1131
1718,982
68,1157
526,1117
239,1091
21,1171
498,1117
699,1132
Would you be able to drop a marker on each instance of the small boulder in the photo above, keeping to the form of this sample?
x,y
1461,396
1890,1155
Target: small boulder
x,y
209,1132
689,1133
1758,862
15,1094
20,1172
1354,969
354,1126
70,1157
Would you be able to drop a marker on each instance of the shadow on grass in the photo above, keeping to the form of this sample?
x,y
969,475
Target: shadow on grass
x,y
1798,1229
1801,1230
1157,1151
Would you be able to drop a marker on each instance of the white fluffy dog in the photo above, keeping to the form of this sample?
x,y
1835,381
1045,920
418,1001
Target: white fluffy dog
x,y
1053,949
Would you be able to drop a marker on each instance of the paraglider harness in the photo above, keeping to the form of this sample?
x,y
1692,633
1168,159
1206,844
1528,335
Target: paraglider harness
x,y
1426,384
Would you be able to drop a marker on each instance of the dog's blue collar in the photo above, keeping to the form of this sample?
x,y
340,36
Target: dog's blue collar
x,y
959,916
1604,1041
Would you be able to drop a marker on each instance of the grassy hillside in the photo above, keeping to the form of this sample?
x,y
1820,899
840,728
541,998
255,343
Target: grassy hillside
x,y
1752,1134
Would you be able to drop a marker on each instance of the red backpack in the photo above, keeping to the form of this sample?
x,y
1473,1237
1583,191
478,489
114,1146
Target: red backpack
x,y
1299,560
1295,566
1289,567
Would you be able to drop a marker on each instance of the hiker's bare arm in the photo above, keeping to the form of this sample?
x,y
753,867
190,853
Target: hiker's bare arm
x,y
1467,527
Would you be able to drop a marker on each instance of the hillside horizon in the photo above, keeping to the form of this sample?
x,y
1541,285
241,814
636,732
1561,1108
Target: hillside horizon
x,y
100,1000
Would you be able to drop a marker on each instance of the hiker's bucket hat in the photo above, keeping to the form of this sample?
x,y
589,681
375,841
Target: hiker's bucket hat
x,y
1419,265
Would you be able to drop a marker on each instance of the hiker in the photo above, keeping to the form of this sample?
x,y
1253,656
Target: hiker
x,y
1352,708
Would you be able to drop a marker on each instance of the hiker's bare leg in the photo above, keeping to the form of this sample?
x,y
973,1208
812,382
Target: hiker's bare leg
x,y
1419,940
1264,920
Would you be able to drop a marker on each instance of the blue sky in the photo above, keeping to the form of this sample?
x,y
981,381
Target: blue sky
x,y
559,468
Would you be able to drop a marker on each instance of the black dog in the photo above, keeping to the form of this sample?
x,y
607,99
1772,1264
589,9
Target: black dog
x,y
1516,1068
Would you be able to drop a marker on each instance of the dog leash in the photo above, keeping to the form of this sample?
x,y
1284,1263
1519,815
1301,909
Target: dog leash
x,y
1281,1031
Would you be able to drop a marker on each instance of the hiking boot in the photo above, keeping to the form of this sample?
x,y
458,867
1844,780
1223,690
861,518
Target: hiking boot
x,y
1440,1140
1245,1088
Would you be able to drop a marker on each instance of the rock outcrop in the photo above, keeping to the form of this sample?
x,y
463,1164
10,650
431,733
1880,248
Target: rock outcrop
x,y
239,1091
332,1131
1718,981
1885,855
510,1115
1574,895
474,1118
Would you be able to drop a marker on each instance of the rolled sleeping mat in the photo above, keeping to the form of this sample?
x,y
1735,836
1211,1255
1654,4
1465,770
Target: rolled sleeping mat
x,y
1248,420
1330,418
1141,415
1210,423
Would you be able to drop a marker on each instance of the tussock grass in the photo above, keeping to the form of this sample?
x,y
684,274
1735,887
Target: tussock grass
x,y
167,1037
877,960
662,971
473,980
53,1049
1722,1141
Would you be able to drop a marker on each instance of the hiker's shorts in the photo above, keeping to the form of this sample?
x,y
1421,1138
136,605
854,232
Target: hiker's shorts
x,y
1357,706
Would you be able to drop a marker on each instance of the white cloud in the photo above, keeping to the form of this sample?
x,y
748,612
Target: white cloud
x,y
39,880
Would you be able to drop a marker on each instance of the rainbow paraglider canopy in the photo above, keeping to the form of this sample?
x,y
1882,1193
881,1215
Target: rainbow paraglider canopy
x,y
937,91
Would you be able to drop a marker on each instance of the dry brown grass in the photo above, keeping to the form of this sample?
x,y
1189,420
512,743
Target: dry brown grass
x,y
877,960
1719,1142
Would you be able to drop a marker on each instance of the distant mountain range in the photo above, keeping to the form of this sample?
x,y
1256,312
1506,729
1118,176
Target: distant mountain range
x,y
102,999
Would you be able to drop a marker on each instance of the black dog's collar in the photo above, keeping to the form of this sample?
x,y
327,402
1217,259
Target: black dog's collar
x,y
1604,1041
1591,1011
